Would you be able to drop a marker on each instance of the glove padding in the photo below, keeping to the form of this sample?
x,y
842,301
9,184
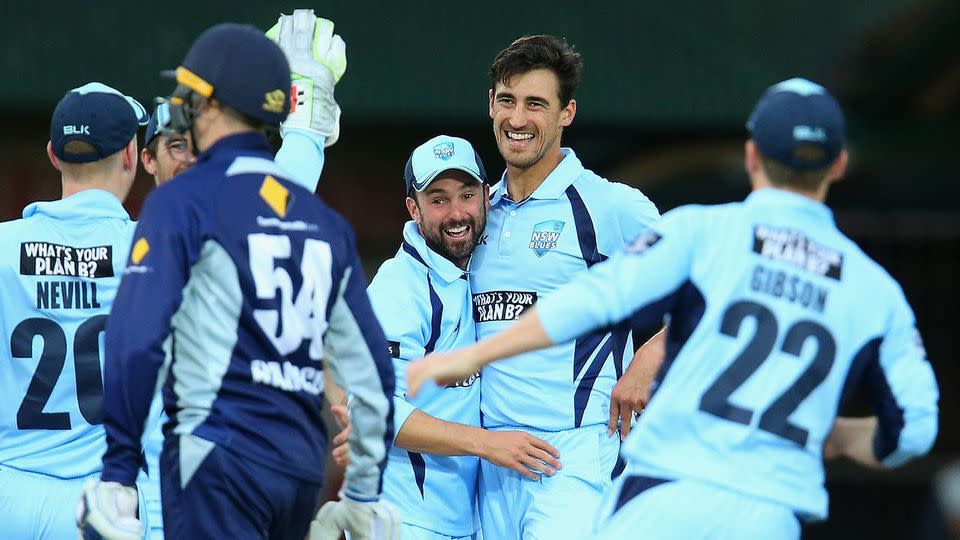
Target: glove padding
x,y
318,59
376,520
108,510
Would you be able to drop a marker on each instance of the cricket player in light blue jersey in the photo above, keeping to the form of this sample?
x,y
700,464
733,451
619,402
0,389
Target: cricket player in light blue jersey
x,y
59,270
422,299
550,219
774,317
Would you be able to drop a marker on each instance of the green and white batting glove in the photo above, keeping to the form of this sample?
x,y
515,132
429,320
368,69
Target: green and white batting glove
x,y
318,59
364,520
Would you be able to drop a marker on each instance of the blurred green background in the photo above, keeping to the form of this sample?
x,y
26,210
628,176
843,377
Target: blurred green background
x,y
667,87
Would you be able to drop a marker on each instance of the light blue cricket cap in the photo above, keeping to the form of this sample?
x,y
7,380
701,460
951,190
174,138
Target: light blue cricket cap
x,y
439,154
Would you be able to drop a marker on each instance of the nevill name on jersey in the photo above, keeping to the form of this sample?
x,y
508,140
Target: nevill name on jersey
x,y
47,259
794,248
501,305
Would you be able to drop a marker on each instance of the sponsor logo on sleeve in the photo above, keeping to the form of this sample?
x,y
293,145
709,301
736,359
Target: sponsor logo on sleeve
x,y
48,259
794,248
140,250
393,347
501,305
645,241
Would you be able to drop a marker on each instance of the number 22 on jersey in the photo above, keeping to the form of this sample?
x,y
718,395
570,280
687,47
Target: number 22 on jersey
x,y
776,418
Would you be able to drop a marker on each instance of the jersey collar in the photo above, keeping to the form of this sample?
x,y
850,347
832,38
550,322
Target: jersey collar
x,y
242,143
553,186
86,204
416,247
779,197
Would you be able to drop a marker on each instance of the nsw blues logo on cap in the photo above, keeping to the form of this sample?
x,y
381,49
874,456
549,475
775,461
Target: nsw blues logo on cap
x,y
444,151
798,123
441,153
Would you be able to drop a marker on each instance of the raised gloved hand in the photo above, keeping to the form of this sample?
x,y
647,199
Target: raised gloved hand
x,y
318,59
108,510
364,520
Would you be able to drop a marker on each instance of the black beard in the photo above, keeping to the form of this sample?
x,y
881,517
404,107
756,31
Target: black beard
x,y
460,254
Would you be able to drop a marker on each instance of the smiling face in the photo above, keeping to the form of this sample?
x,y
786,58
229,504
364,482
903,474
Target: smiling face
x,y
451,213
171,155
528,117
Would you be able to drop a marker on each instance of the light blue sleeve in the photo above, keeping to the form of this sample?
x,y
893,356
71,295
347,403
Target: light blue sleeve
x,y
908,413
635,213
405,324
302,157
612,290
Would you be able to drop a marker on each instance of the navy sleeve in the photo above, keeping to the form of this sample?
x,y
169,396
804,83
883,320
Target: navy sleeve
x,y
904,391
139,326
358,358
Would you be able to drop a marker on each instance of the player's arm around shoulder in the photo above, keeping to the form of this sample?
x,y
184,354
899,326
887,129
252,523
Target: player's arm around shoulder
x,y
402,302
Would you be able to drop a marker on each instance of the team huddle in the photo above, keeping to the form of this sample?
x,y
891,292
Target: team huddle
x,y
183,360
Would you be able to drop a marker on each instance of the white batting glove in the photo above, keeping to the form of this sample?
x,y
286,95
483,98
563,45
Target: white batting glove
x,y
108,510
373,520
318,58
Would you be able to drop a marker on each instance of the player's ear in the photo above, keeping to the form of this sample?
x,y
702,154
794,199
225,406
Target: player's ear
x,y
490,104
751,161
486,197
130,155
413,209
568,112
839,167
53,158
149,163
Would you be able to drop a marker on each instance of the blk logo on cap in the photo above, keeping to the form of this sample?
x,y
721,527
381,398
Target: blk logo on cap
x,y
76,130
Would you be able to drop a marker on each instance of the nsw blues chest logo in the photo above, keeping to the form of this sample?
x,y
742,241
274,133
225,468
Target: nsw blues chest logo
x,y
545,236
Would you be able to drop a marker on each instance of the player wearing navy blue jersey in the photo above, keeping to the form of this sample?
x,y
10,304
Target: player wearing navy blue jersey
x,y
774,317
59,270
251,281
550,219
422,299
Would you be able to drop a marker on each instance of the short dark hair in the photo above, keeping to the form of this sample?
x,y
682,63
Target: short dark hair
x,y
154,145
781,174
254,123
79,147
540,52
